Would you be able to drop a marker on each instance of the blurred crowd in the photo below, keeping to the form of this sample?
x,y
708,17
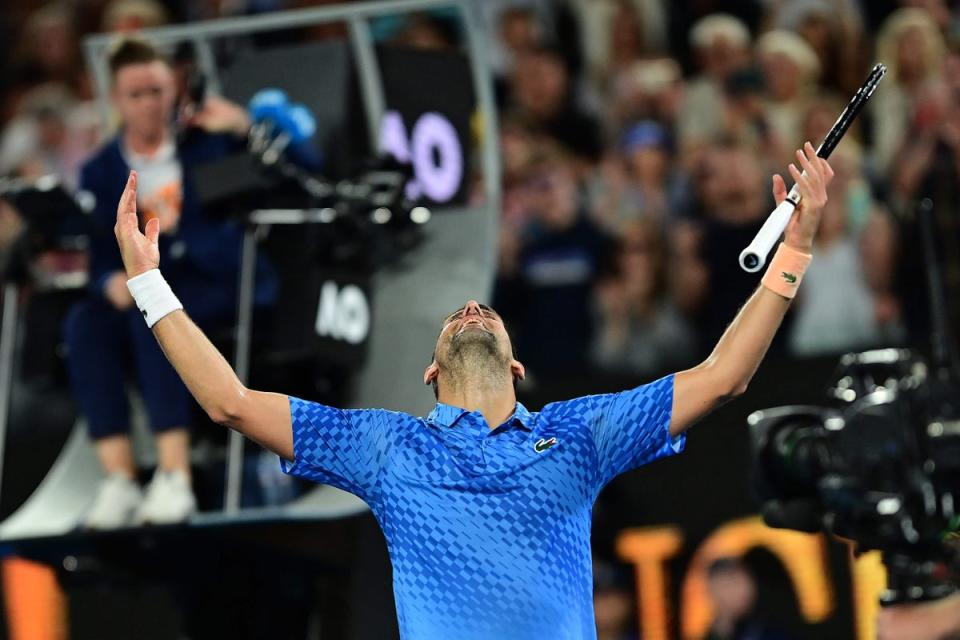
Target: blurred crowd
x,y
638,138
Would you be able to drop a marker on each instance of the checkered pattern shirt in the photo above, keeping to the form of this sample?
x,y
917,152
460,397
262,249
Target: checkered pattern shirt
x,y
488,529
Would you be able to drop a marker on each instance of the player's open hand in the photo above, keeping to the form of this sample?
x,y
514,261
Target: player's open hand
x,y
139,250
812,178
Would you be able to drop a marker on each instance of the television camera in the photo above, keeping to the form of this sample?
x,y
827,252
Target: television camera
x,y
879,462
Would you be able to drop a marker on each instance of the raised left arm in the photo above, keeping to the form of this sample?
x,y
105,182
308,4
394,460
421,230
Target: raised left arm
x,y
730,367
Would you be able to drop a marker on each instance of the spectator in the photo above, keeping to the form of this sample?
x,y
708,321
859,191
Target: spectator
x,y
202,255
542,96
641,181
648,89
427,31
51,135
927,168
834,30
561,255
49,48
613,602
790,69
820,116
746,120
518,149
520,33
839,310
721,44
733,591
688,275
516,27
732,204
867,221
939,10
912,47
639,331
626,42
126,16
32,138
598,19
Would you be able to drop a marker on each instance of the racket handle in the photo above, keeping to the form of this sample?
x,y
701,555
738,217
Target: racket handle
x,y
754,256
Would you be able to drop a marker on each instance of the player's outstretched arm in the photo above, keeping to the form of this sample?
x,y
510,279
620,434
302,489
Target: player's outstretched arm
x,y
728,370
264,417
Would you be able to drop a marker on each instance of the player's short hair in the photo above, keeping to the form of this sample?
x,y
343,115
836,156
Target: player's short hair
x,y
131,51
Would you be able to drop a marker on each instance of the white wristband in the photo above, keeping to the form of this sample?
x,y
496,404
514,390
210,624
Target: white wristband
x,y
153,296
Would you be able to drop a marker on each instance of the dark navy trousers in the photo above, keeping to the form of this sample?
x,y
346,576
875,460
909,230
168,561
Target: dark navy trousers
x,y
105,345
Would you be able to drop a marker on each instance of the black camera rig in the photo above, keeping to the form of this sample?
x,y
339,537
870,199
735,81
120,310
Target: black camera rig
x,y
879,462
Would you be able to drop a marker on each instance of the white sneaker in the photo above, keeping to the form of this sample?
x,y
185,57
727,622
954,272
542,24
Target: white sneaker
x,y
117,499
169,499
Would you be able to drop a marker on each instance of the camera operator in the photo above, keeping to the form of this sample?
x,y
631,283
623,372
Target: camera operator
x,y
105,331
937,620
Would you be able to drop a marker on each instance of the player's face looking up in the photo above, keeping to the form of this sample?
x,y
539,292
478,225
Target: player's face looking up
x,y
473,346
473,326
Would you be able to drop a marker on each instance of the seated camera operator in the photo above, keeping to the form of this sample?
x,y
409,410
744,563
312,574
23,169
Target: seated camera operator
x,y
936,620
105,331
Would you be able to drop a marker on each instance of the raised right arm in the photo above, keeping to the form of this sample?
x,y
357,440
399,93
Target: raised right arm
x,y
263,417
260,416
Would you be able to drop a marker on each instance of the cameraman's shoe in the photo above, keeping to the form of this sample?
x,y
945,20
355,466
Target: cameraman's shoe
x,y
169,499
118,498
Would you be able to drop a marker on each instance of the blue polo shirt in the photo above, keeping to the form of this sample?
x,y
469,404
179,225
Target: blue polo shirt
x,y
488,530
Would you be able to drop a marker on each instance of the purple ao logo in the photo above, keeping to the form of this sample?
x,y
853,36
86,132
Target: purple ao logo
x,y
433,149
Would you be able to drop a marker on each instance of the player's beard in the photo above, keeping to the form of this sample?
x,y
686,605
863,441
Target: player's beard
x,y
474,357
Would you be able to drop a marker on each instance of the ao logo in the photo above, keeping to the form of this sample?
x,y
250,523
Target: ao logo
x,y
433,149
343,314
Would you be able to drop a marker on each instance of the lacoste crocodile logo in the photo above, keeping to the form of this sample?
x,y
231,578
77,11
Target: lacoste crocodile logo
x,y
789,277
544,444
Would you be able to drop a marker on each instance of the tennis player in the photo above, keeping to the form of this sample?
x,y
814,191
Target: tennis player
x,y
486,506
